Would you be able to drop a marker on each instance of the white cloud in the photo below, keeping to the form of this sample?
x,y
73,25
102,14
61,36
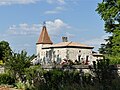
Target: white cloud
x,y
59,2
56,1
34,29
96,42
55,11
24,36
24,29
10,2
56,26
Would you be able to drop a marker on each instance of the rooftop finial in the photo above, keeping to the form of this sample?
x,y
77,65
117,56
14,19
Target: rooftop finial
x,y
44,23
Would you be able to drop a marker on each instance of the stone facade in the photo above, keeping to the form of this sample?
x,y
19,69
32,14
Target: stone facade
x,y
49,53
58,55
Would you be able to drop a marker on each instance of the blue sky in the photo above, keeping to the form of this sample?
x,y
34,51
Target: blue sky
x,y
21,22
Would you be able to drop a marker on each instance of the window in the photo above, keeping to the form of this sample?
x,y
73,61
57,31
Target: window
x,y
79,58
46,53
87,59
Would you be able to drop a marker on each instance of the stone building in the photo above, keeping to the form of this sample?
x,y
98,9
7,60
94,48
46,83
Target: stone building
x,y
49,53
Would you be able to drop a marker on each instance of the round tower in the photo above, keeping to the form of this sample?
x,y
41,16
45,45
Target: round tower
x,y
43,40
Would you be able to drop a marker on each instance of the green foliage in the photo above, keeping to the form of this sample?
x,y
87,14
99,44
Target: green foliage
x,y
6,79
116,84
62,80
58,79
38,79
104,73
116,42
109,10
5,51
33,73
54,79
17,63
114,59
34,77
20,85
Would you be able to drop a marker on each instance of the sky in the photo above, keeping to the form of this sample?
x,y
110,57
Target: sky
x,y
21,22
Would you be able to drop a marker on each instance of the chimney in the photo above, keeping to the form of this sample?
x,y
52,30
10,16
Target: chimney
x,y
64,39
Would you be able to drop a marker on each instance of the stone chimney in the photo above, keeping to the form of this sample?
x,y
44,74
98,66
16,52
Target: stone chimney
x,y
64,39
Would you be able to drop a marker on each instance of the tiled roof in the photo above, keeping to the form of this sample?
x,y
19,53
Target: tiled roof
x,y
69,44
44,37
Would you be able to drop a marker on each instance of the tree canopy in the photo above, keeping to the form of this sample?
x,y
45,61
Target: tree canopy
x,y
109,10
5,50
17,63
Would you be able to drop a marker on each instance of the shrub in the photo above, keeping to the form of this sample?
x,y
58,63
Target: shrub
x,y
6,79
20,85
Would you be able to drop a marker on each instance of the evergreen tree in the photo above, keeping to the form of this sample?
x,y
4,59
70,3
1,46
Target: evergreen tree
x,y
109,10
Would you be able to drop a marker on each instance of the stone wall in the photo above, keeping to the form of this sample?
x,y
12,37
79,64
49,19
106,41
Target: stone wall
x,y
1,69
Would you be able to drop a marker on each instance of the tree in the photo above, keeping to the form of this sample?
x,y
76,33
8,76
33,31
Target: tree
x,y
104,73
109,10
5,50
17,63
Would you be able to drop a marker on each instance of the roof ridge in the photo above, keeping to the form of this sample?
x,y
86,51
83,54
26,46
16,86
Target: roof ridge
x,y
43,34
69,43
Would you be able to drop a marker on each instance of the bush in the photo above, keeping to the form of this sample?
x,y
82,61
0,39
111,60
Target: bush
x,y
20,85
66,80
6,79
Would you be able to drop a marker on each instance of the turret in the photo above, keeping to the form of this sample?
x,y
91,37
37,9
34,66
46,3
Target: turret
x,y
44,39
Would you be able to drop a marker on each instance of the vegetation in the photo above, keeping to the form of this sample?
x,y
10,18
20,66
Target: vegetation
x,y
58,79
109,10
21,74
16,64
5,51
6,79
105,73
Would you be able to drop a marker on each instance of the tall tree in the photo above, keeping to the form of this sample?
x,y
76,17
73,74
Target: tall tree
x,y
109,10
5,50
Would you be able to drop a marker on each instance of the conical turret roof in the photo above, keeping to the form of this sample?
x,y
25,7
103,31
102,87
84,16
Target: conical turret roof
x,y
44,37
